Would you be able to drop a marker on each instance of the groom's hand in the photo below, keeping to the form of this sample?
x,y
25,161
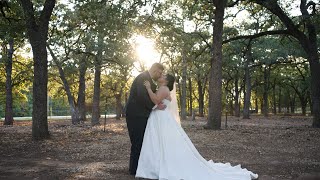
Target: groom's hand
x,y
161,106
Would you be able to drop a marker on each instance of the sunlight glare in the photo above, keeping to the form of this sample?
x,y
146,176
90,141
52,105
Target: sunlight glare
x,y
145,51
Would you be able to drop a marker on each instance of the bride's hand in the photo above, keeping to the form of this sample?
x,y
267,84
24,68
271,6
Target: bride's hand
x,y
147,84
161,106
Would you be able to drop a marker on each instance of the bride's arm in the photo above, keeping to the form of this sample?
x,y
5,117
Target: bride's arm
x,y
157,97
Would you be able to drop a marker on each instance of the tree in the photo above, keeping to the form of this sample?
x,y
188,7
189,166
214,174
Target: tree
x,y
247,94
8,120
76,107
11,34
115,86
307,40
233,72
97,78
200,73
37,30
68,33
215,84
298,80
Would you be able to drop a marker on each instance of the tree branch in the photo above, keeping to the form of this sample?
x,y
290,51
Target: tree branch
x,y
29,13
276,32
46,13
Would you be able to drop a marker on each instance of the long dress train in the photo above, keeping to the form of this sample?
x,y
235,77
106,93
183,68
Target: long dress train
x,y
168,154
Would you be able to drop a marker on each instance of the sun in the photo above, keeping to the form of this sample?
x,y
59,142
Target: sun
x,y
145,51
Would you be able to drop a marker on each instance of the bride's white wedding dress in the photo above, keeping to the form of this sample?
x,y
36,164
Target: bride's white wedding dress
x,y
168,154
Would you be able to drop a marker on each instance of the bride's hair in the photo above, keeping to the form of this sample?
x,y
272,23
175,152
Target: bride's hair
x,y
170,80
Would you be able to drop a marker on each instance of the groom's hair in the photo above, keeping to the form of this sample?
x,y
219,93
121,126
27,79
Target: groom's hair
x,y
157,66
170,80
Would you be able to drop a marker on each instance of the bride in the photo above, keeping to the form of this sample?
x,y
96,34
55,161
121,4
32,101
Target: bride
x,y
167,152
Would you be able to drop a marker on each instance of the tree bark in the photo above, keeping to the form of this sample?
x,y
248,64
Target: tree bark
x,y
75,116
315,92
266,75
247,93
118,106
236,97
231,106
292,104
274,107
215,82
286,102
37,30
190,96
73,108
310,103
261,105
82,90
279,100
201,98
8,120
256,106
97,78
303,106
96,96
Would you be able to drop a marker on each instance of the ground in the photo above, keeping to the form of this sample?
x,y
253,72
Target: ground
x,y
278,147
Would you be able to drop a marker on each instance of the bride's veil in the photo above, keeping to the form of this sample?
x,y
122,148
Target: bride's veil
x,y
173,107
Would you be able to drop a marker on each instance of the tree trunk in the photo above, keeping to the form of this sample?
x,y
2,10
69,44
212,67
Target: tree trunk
x,y
303,107
82,91
274,107
236,97
279,100
190,96
315,91
37,30
184,87
292,104
125,102
256,97
8,120
118,106
97,78
247,93
215,83
231,106
303,95
201,98
310,103
265,92
261,105
96,96
256,110
287,101
40,91
74,111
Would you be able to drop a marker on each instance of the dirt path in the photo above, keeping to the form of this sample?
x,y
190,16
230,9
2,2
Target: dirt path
x,y
276,148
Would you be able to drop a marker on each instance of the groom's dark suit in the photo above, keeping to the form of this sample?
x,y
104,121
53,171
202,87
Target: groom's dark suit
x,y
138,109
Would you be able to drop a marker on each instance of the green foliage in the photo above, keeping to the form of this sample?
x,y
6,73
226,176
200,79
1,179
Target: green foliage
x,y
21,84
12,25
77,26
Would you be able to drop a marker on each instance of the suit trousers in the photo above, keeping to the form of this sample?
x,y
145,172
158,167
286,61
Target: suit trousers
x,y
136,127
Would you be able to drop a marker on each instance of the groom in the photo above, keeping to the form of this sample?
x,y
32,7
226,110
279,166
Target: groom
x,y
138,109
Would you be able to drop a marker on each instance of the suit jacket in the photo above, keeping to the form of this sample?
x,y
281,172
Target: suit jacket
x,y
139,103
